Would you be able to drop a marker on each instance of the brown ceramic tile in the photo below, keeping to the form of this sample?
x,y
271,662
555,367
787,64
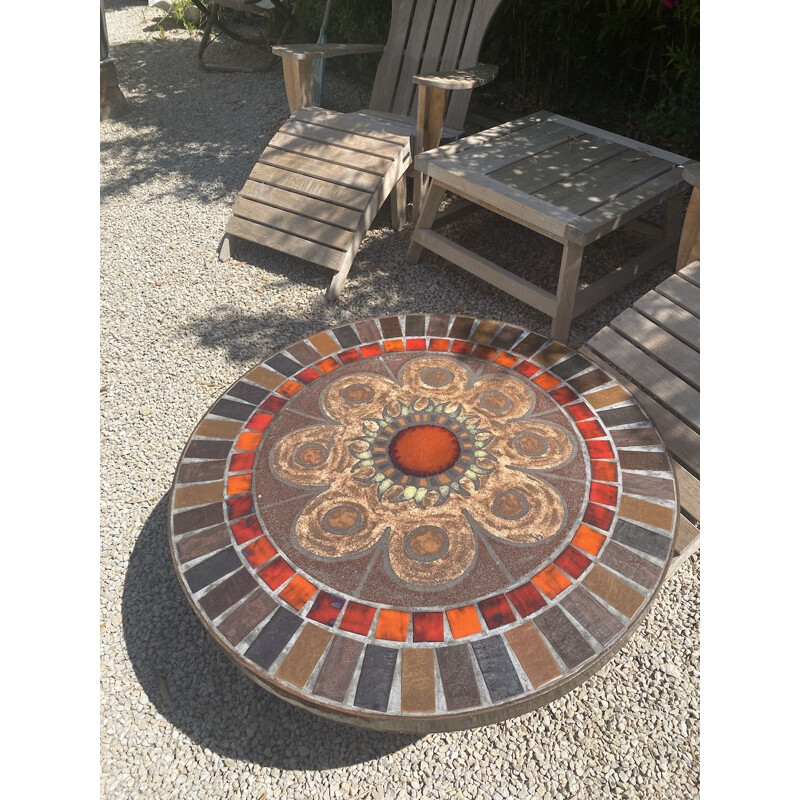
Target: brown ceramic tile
x,y
551,354
458,677
368,331
265,377
626,415
642,539
211,569
197,518
337,670
324,345
242,390
391,327
564,637
532,654
497,668
346,335
589,380
461,328
572,366
530,344
304,655
246,617
438,325
485,331
197,494
218,428
600,622
635,437
415,325
615,592
302,353
607,397
200,544
418,681
199,471
644,460
627,563
283,364
506,336
639,510
209,449
227,593
647,486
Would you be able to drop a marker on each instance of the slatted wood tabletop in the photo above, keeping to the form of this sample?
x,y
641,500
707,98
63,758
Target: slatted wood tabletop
x,y
566,180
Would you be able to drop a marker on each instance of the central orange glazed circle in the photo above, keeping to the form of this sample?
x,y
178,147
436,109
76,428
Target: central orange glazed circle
x,y
424,450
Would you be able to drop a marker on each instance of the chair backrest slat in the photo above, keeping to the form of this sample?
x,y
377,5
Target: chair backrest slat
x,y
428,36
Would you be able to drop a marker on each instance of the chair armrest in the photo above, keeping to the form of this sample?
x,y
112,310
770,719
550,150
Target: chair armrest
x,y
691,173
305,52
459,78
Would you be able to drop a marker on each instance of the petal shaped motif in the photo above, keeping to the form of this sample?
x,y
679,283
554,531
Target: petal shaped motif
x,y
500,398
534,445
517,508
312,456
351,400
437,377
422,554
337,525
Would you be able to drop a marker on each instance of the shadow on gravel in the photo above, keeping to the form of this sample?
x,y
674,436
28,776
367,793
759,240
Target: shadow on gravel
x,y
196,688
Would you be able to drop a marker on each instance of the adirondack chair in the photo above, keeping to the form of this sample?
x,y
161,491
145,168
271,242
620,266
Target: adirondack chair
x,y
420,96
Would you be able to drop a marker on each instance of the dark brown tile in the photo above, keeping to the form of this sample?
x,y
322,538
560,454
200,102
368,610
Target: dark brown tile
x,y
302,353
201,543
485,331
506,336
438,325
565,638
199,471
572,366
229,592
635,437
391,327
647,486
642,539
589,380
530,344
461,327
627,563
497,668
627,415
248,392
197,518
418,681
283,364
245,618
368,331
376,678
209,449
615,592
232,409
212,569
600,622
273,638
644,460
458,678
304,655
415,325
532,654
347,336
338,668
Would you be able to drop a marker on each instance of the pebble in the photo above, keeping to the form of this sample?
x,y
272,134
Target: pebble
x,y
177,327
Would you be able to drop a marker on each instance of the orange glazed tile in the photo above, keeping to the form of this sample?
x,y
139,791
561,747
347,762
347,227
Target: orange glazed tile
x,y
551,580
259,422
290,388
604,471
506,359
415,344
327,365
237,484
393,625
527,369
259,552
546,381
370,350
464,621
276,573
588,539
439,344
248,441
298,592
393,345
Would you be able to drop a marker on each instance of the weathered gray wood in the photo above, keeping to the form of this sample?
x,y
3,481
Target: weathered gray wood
x,y
340,138
677,396
386,75
298,78
398,125
326,152
412,59
687,542
350,123
310,52
682,293
691,273
665,348
571,259
314,168
689,491
430,207
679,322
458,79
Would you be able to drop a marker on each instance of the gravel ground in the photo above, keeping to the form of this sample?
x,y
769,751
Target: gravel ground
x,y
177,719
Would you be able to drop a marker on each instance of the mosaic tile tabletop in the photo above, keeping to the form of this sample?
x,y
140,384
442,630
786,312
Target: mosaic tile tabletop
x,y
423,522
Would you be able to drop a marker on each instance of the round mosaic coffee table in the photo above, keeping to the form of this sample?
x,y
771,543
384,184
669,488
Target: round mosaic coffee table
x,y
422,522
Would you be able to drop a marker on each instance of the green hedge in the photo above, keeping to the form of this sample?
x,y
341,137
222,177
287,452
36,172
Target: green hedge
x,y
627,65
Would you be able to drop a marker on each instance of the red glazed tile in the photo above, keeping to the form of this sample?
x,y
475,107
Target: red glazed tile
x,y
603,493
259,552
259,422
598,517
326,608
393,345
273,404
246,529
238,484
428,626
527,369
462,348
604,471
551,580
486,353
600,448
546,381
357,618
526,599
580,411
290,388
463,621
440,345
588,539
240,506
370,350
327,365
308,375
496,611
591,429
506,359
573,562
298,592
242,462
248,441
563,395
415,344
275,573
392,625
348,356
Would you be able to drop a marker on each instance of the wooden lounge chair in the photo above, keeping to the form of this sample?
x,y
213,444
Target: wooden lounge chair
x,y
653,349
322,179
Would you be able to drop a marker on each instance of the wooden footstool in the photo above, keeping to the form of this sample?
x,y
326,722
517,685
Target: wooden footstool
x,y
561,178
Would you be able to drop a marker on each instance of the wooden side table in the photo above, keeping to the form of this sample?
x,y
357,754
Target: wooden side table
x,y
571,182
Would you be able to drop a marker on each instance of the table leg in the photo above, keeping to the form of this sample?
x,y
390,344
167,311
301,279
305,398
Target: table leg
x,y
430,206
571,259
